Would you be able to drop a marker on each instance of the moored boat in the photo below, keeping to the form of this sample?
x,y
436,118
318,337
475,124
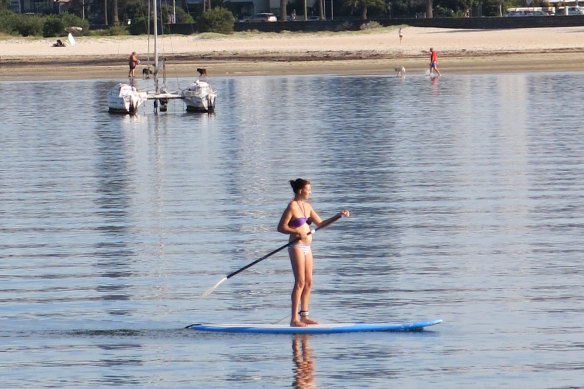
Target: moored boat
x,y
199,97
125,99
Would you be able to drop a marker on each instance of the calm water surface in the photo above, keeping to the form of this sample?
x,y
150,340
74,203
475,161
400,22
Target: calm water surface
x,y
467,202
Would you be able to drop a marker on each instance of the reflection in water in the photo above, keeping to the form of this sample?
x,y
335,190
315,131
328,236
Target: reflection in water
x,y
434,81
113,198
304,370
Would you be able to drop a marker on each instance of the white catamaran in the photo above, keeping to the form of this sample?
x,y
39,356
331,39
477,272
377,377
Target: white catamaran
x,y
126,99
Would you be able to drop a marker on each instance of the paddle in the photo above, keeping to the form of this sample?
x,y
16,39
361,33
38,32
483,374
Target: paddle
x,y
323,225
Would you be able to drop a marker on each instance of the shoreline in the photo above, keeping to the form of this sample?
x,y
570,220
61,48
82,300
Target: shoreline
x,y
346,53
77,69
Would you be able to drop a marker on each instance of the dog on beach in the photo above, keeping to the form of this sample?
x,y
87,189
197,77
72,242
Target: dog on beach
x,y
146,72
400,72
202,72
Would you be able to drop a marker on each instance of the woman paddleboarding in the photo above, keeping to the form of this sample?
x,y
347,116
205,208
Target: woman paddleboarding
x,y
295,221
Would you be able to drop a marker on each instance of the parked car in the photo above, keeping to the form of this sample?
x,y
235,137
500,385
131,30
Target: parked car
x,y
264,17
575,11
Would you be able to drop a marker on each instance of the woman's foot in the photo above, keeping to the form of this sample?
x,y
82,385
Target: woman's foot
x,y
297,323
306,320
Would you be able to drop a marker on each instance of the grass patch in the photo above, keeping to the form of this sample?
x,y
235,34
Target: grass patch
x,y
211,35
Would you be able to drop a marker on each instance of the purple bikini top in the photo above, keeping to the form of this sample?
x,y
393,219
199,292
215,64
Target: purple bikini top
x,y
295,223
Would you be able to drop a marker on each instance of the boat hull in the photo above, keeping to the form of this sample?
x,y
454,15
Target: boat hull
x,y
199,97
125,99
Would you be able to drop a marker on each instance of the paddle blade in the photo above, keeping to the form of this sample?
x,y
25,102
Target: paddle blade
x,y
211,289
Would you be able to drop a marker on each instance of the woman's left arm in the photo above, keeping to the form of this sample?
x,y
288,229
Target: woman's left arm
x,y
318,221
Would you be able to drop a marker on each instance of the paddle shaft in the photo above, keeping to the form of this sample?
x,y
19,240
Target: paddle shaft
x,y
326,224
323,225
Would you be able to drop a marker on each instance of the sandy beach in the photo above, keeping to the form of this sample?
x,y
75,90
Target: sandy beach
x,y
366,52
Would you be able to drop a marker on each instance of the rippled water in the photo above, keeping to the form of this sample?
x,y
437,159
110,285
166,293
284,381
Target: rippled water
x,y
467,202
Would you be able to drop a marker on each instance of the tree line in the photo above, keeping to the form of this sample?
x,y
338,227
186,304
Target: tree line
x,y
133,16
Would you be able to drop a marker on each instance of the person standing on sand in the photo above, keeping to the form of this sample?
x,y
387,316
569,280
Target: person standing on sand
x,y
133,62
295,222
433,62
401,35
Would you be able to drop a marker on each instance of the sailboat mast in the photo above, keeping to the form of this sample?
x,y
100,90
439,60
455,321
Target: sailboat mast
x,y
155,44
148,28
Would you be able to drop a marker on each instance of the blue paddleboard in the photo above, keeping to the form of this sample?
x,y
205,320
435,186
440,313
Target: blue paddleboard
x,y
333,328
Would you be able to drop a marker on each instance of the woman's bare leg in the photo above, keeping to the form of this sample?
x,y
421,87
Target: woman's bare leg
x,y
305,297
298,267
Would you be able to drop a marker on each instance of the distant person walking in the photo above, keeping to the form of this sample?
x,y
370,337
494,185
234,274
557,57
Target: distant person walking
x,y
433,62
401,35
133,62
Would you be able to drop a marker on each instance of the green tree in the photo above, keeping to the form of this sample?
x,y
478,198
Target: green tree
x,y
134,9
216,20
495,7
53,26
30,25
182,17
139,26
70,20
362,5
453,7
23,25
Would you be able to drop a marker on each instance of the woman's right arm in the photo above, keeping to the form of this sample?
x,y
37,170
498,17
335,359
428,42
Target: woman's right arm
x,y
284,220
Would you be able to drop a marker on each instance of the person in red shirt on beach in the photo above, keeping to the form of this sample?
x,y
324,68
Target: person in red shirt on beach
x,y
133,62
433,60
